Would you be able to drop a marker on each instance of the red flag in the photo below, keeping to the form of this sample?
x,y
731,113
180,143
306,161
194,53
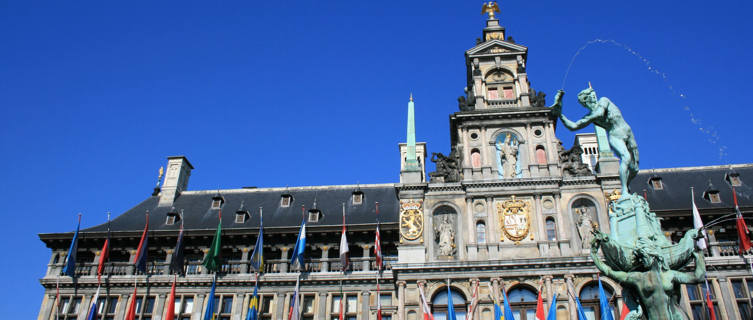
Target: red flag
x,y
425,306
131,313
342,311
742,228
141,252
625,311
710,305
104,253
171,302
473,304
539,308
378,242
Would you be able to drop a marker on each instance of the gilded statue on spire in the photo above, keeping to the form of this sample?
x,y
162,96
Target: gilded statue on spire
x,y
490,7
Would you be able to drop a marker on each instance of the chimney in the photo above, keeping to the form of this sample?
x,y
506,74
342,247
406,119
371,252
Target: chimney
x,y
176,179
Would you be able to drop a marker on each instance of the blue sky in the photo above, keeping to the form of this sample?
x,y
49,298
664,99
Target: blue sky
x,y
95,95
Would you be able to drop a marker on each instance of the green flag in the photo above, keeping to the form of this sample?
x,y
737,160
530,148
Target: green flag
x,y
212,259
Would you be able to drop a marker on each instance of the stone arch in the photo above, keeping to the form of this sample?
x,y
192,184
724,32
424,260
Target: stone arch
x,y
434,289
607,282
522,159
508,75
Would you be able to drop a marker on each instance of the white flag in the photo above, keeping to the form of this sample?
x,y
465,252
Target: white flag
x,y
697,222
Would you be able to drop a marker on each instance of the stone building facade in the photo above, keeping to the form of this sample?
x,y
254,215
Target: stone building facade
x,y
507,209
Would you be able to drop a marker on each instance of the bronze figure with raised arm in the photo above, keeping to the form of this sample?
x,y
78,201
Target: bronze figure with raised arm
x,y
604,113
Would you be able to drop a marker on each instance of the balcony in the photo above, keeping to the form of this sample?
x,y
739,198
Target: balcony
x,y
502,103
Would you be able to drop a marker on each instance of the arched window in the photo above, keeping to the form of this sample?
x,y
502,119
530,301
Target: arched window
x,y
523,302
476,158
480,232
439,304
551,229
589,298
540,155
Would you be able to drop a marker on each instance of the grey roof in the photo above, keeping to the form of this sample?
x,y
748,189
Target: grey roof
x,y
675,194
198,214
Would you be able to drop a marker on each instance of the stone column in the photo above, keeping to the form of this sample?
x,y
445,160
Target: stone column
x,y
721,288
131,267
325,256
93,271
203,269
571,302
495,288
238,306
279,306
284,257
365,305
159,303
244,260
714,250
168,259
400,300
366,255
198,306
549,292
321,312
47,307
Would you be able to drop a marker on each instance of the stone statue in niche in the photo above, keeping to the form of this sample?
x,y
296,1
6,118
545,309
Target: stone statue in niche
x,y
585,226
508,153
572,162
445,235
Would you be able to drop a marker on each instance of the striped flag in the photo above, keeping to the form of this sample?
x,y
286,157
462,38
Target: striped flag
x,y
342,305
378,243
709,304
300,244
92,315
140,260
697,222
625,311
70,259
344,250
170,314
424,305
105,253
379,299
257,257
253,305
474,303
295,313
131,313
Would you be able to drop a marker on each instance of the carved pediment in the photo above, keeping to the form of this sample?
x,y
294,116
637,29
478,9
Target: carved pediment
x,y
496,47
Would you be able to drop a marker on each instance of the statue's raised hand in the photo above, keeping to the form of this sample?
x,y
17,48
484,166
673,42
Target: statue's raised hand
x,y
557,106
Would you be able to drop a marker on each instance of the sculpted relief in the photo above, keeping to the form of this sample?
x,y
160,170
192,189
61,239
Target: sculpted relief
x,y
515,219
445,219
584,214
411,219
507,155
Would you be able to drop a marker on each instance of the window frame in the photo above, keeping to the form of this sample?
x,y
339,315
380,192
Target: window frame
x,y
701,301
747,286
180,310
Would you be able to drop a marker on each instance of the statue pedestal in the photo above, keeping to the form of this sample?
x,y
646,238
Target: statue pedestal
x,y
411,254
608,166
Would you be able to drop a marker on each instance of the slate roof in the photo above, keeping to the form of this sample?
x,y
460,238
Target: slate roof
x,y
198,214
675,194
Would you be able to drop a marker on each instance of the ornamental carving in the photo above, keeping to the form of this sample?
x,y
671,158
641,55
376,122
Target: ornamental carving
x,y
515,219
411,219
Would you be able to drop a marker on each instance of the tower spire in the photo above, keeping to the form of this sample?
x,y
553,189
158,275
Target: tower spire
x,y
411,163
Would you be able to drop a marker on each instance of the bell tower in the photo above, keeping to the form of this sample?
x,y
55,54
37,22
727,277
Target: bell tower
x,y
503,129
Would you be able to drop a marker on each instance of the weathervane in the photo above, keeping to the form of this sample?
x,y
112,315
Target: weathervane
x,y
490,7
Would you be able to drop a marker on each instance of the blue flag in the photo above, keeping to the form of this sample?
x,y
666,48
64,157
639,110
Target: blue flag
x,y
581,313
553,309
450,307
92,315
498,312
300,246
209,313
257,257
70,259
508,311
253,306
606,310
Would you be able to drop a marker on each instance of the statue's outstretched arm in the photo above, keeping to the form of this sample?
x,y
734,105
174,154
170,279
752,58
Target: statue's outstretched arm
x,y
700,270
582,123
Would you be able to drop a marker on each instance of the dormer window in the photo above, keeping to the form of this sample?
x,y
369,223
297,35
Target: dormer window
x,y
216,203
172,217
286,200
241,216
712,196
314,215
656,183
357,197
733,178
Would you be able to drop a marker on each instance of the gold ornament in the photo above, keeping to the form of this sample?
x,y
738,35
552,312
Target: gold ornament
x,y
411,219
514,218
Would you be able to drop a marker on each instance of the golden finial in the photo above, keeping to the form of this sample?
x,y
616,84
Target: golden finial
x,y
411,96
161,173
490,7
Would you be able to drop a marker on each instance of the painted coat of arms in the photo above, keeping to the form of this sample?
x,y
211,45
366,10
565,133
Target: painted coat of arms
x,y
411,219
515,219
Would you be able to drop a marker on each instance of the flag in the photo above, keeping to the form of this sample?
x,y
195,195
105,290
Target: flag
x,y
552,308
300,246
498,315
709,304
70,259
625,311
253,306
606,310
379,299
170,315
92,315
424,305
581,313
209,313
140,260
176,263
378,243
295,314
342,297
450,307
257,257
507,312
344,250
105,253
474,302
697,222
131,313
742,228
212,258
539,307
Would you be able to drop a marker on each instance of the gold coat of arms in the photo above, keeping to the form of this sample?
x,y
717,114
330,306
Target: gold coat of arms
x,y
514,218
411,219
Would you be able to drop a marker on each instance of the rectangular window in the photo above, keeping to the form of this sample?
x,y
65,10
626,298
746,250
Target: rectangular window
x,y
265,306
385,300
183,307
314,216
350,304
357,198
285,200
170,220
68,307
216,203
223,306
240,217
507,91
697,298
742,290
492,94
106,307
144,308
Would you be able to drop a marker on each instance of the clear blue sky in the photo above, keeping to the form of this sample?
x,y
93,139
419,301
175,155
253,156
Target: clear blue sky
x,y
94,95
